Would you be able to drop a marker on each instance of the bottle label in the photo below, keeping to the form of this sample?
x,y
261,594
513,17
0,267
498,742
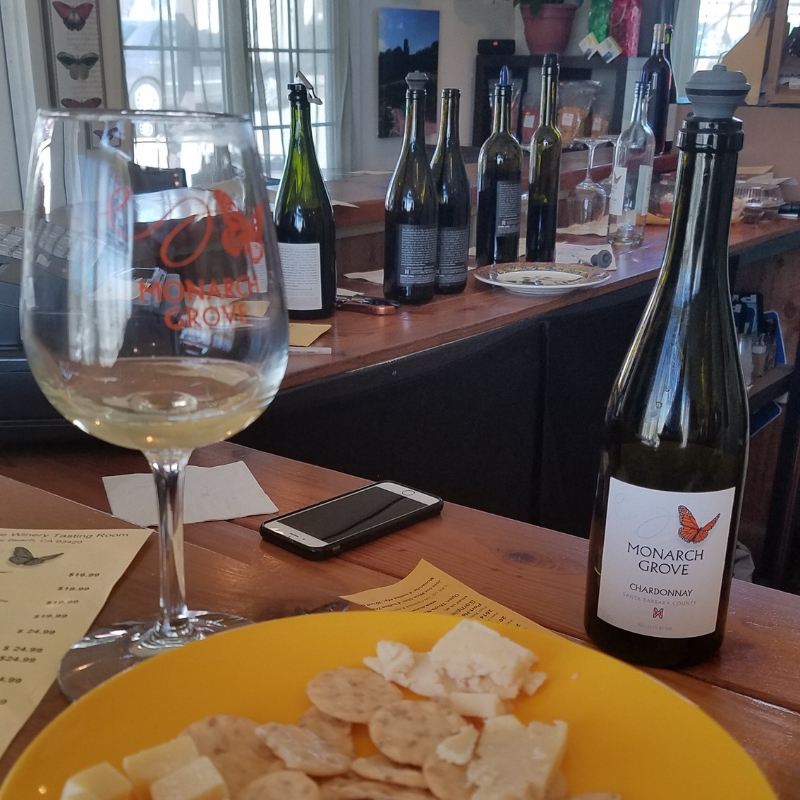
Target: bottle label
x,y
509,208
302,276
672,115
416,254
453,255
617,201
663,560
643,188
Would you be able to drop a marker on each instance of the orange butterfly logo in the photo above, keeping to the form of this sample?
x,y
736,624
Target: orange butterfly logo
x,y
241,232
690,531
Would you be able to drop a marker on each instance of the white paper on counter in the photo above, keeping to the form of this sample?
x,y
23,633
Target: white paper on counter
x,y
375,276
225,492
52,585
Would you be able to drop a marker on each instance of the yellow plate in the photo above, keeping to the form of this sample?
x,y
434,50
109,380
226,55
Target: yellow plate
x,y
628,733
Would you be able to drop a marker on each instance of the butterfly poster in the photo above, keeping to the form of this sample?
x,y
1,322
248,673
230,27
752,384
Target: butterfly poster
x,y
76,55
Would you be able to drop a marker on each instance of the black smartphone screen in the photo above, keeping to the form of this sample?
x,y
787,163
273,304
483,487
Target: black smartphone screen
x,y
351,514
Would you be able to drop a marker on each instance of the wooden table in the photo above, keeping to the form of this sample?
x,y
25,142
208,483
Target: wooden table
x,y
752,687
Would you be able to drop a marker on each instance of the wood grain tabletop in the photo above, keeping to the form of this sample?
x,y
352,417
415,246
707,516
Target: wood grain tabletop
x,y
752,687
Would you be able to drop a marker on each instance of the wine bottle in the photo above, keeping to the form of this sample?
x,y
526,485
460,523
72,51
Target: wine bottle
x,y
304,219
672,112
674,453
631,177
545,171
657,74
410,229
453,194
499,185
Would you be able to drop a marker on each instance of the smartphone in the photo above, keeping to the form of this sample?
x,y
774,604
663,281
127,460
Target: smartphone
x,y
325,529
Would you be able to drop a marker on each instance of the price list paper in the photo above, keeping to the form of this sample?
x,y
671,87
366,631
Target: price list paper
x,y
53,583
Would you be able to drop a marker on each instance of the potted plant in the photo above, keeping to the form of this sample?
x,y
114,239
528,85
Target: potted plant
x,y
547,24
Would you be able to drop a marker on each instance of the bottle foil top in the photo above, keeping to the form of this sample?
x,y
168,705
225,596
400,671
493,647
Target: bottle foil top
x,y
416,80
715,93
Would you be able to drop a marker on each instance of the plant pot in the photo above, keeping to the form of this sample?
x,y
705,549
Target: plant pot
x,y
549,30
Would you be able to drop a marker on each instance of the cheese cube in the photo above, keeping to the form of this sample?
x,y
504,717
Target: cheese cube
x,y
198,780
478,704
147,766
513,761
457,749
100,782
478,659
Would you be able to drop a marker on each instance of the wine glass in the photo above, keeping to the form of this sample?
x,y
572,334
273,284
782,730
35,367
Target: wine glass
x,y
153,316
587,203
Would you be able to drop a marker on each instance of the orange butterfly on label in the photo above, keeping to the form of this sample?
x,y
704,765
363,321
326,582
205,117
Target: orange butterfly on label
x,y
690,531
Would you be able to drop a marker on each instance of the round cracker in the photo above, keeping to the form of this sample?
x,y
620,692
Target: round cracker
x,y
409,730
282,785
359,789
380,768
447,781
234,748
336,732
350,693
303,750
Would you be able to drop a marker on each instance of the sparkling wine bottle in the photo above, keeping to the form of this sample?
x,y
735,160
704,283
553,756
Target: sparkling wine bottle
x,y
410,229
304,218
453,192
674,454
657,74
631,177
499,185
545,171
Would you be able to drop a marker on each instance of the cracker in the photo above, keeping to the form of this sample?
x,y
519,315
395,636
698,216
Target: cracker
x,y
336,732
350,693
359,789
303,750
380,768
234,749
409,730
446,781
282,785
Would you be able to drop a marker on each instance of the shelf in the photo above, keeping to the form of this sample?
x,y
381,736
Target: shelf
x,y
770,386
572,68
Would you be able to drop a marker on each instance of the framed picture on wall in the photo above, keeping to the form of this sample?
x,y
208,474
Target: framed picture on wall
x,y
408,41
76,61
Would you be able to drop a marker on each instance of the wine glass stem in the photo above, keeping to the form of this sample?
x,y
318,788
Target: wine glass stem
x,y
590,162
174,625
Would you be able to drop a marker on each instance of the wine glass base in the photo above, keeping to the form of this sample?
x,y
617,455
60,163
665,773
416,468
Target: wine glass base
x,y
105,652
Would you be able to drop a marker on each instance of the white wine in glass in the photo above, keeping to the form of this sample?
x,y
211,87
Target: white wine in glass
x,y
153,316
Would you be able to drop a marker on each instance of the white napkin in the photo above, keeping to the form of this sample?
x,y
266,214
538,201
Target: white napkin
x,y
224,492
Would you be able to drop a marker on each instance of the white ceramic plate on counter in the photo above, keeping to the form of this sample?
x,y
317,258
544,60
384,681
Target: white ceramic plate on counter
x,y
534,278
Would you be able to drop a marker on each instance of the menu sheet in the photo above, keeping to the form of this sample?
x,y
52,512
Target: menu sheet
x,y
53,584
429,590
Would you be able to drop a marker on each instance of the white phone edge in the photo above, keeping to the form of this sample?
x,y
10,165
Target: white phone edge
x,y
311,541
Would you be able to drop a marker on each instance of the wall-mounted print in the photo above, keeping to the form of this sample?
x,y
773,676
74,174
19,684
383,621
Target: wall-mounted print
x,y
408,41
76,64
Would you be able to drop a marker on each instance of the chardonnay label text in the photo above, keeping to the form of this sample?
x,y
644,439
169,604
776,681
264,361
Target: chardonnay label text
x,y
663,560
509,204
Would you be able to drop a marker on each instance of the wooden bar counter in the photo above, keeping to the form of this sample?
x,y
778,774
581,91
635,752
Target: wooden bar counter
x,y
751,687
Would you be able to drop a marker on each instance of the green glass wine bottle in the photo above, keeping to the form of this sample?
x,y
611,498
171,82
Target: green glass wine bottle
x,y
453,191
674,455
545,171
499,185
304,220
410,228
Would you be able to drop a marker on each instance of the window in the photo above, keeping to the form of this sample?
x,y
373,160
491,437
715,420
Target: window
x,y
722,23
186,54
